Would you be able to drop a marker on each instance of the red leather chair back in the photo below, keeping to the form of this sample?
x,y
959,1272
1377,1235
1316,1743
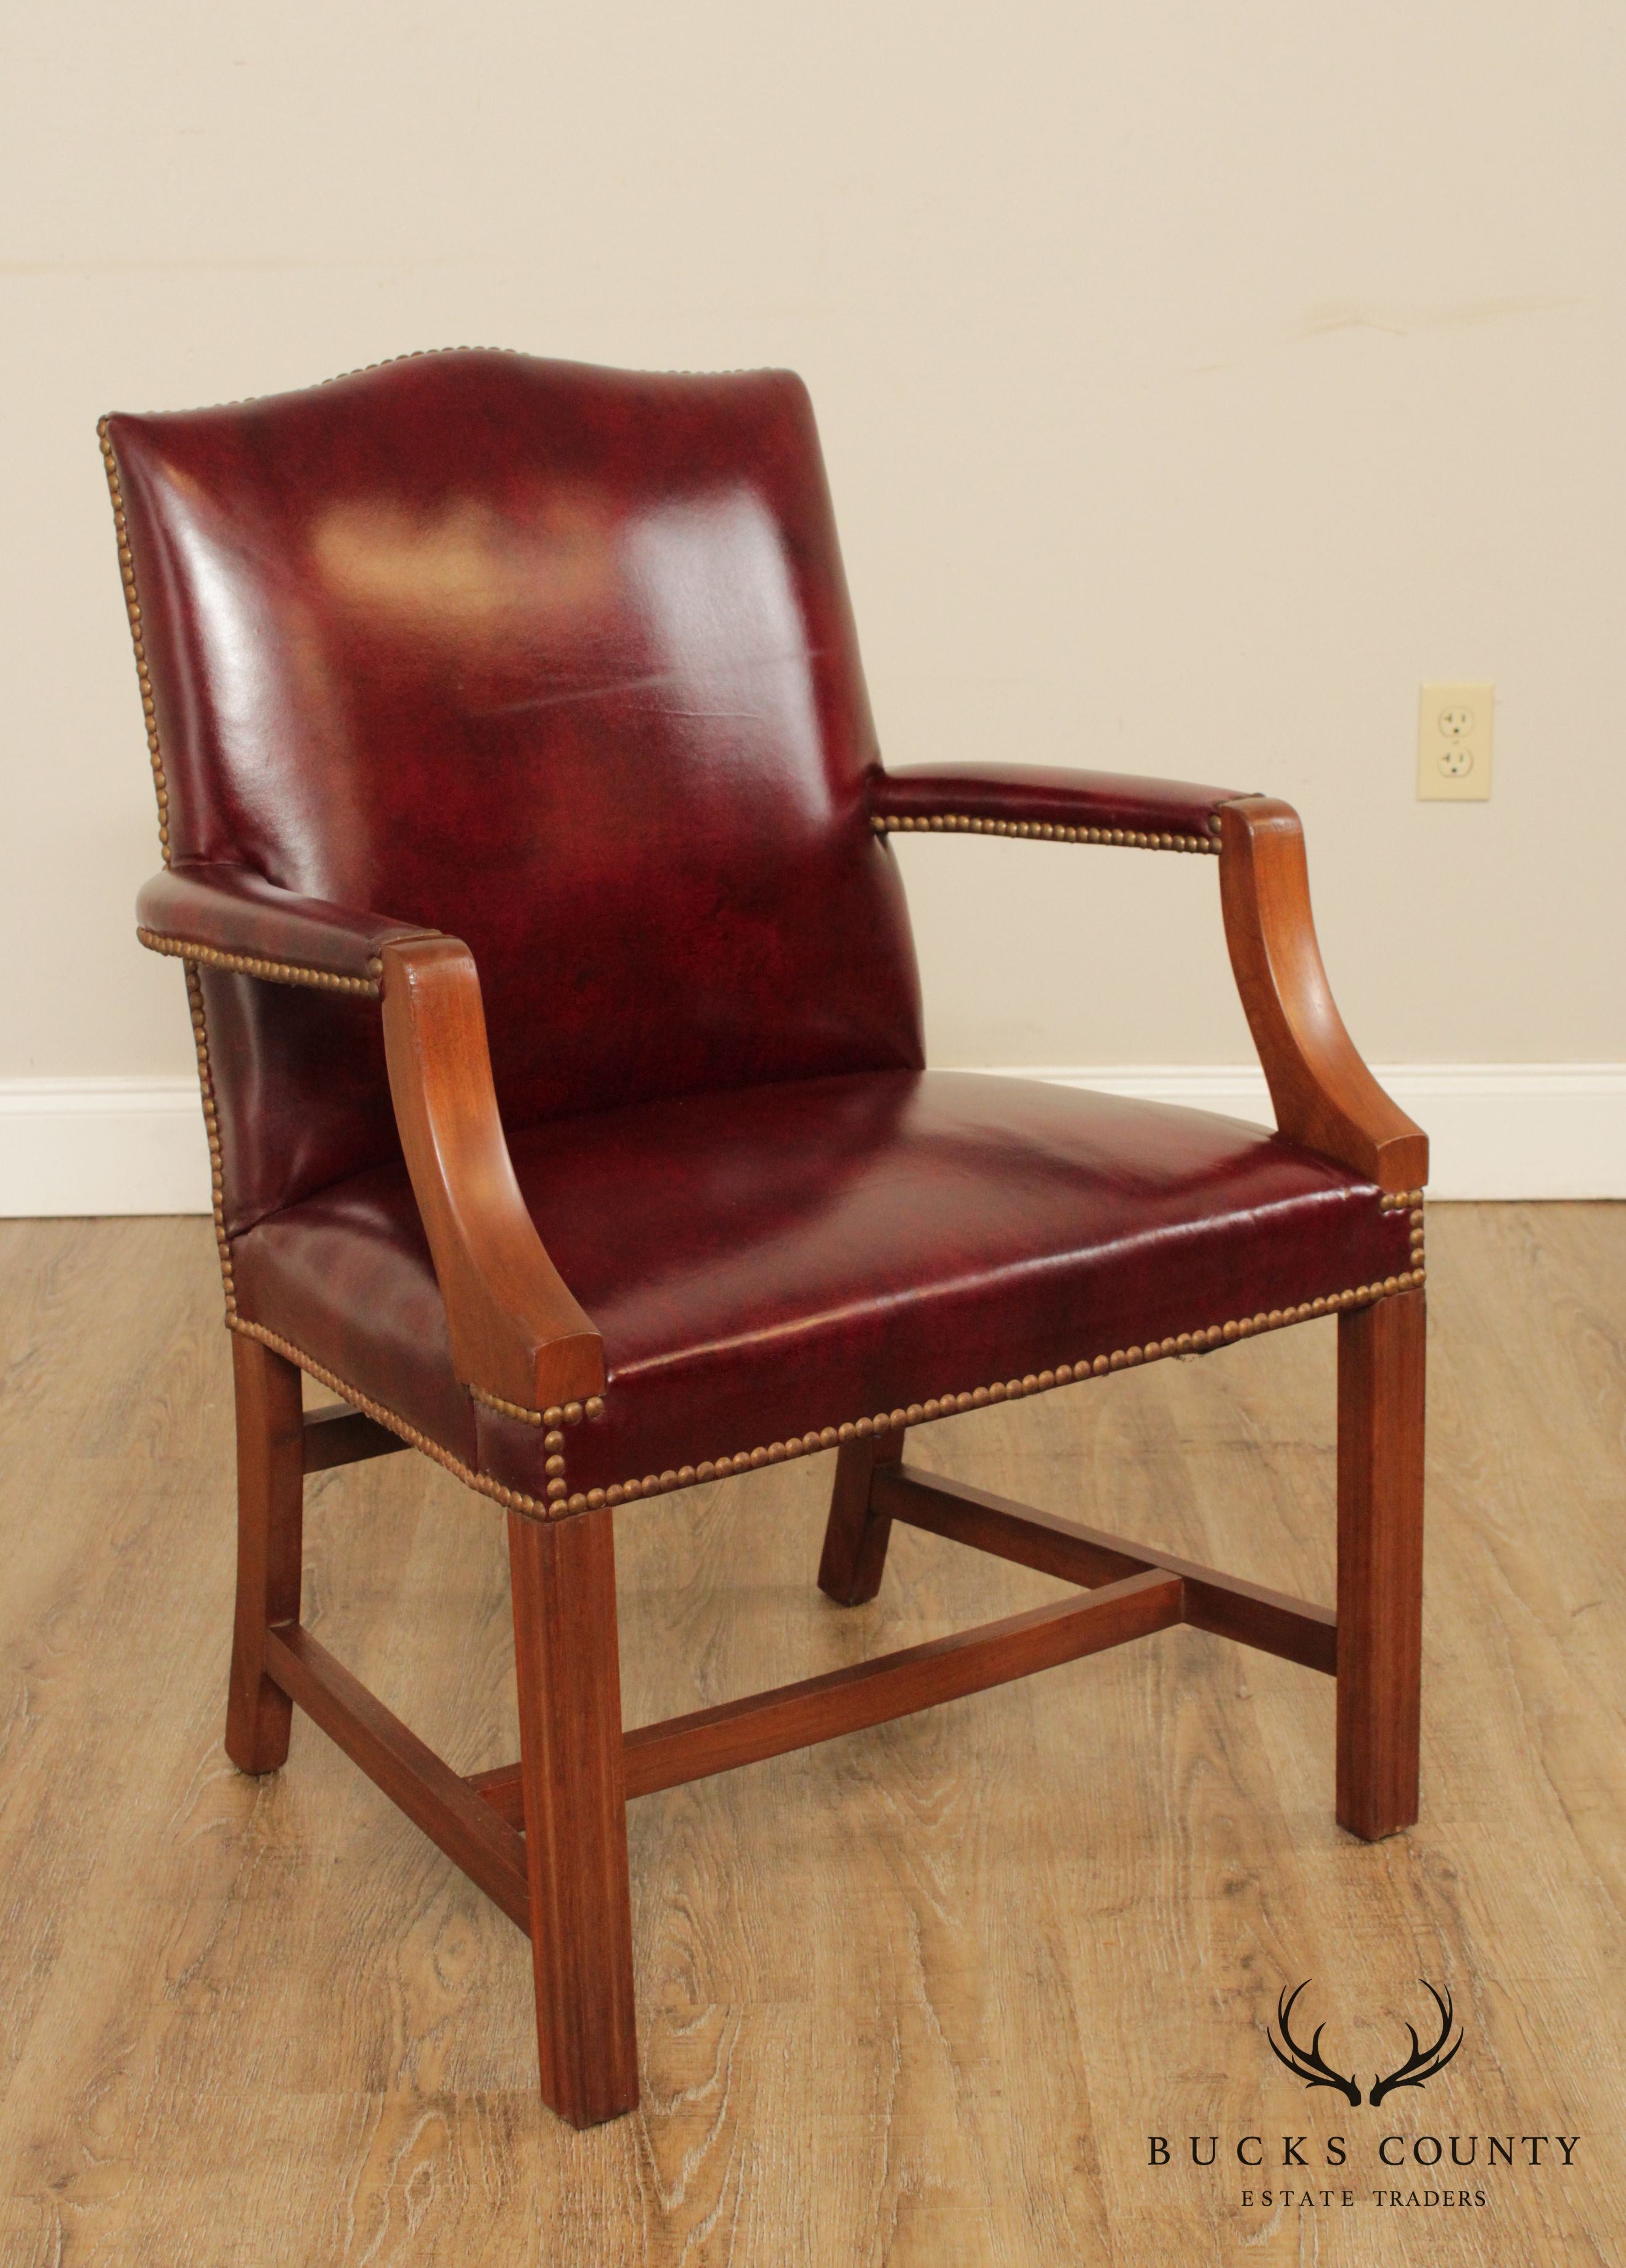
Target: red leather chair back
x,y
555,659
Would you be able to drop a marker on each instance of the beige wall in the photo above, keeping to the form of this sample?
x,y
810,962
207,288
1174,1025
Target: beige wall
x,y
1195,381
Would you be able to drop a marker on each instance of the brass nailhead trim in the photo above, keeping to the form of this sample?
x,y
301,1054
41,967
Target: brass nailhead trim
x,y
211,1128
511,1498
962,822
284,972
1401,1201
132,601
571,1413
132,607
567,1413
154,755
279,972
420,354
411,354
1013,1389
557,1503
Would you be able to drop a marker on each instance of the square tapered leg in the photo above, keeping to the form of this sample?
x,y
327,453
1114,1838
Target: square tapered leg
x,y
270,1516
1380,1422
574,1788
856,1534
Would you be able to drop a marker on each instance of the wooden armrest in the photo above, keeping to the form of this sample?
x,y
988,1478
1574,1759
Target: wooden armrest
x,y
231,917
1049,803
1324,1095
519,1338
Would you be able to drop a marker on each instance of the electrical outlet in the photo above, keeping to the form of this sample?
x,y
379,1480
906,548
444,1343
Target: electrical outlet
x,y
1454,743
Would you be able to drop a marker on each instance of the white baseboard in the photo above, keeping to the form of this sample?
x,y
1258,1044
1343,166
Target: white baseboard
x,y
102,1145
1523,1130
1508,1130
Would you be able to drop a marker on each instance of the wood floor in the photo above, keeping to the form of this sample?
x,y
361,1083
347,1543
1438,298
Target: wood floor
x,y
917,1998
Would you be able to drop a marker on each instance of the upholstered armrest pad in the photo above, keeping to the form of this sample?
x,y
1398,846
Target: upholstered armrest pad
x,y
233,918
1095,806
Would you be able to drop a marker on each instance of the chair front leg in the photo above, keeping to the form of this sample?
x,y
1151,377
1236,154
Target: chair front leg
x,y
855,1536
1380,1422
271,1521
572,1777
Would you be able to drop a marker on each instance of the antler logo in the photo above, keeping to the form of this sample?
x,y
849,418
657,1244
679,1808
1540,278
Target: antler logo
x,y
1308,2064
1421,2063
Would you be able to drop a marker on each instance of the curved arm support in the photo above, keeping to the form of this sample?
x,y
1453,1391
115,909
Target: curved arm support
x,y
1324,1095
517,1335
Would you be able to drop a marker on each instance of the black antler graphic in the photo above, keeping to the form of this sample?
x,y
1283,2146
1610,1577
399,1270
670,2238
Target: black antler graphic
x,y
1421,2063
1306,2063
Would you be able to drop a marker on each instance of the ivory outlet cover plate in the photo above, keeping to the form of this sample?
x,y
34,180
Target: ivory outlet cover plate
x,y
1454,743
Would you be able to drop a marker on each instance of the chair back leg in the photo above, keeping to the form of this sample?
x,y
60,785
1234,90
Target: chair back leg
x,y
271,1518
573,1783
858,1533
1381,1419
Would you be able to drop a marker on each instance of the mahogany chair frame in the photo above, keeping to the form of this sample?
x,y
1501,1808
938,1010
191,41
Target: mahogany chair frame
x,y
546,1837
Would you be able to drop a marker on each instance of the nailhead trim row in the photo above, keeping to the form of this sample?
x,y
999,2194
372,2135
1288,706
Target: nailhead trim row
x,y
211,1128
417,354
132,607
962,822
279,972
560,1503
1400,1200
247,401
420,354
155,754
1014,1389
514,1500
567,1413
409,354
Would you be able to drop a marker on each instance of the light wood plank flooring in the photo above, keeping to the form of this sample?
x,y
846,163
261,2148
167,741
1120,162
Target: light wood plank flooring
x,y
917,1998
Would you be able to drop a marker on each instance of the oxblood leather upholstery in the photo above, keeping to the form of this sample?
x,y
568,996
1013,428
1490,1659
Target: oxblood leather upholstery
x,y
231,909
770,1263
559,661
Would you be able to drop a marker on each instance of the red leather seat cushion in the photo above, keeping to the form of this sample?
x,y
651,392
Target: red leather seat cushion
x,y
771,1262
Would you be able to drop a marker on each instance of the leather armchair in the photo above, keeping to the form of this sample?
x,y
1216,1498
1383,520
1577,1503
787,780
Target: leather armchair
x,y
560,662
